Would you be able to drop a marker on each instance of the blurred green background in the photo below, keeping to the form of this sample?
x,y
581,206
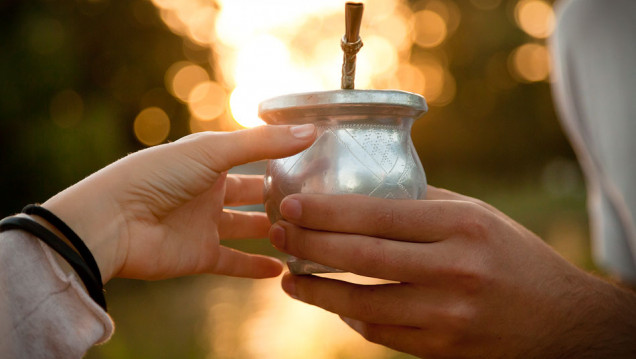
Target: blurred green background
x,y
75,74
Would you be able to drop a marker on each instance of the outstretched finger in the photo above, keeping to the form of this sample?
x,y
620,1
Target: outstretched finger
x,y
239,224
221,151
235,263
243,190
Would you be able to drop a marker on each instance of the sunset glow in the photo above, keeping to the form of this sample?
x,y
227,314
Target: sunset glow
x,y
262,49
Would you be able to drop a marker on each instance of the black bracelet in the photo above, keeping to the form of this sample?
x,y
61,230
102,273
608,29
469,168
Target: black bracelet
x,y
93,285
76,241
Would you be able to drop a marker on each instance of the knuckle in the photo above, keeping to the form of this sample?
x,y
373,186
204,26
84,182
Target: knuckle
x,y
469,277
257,132
476,221
457,329
375,255
308,294
434,212
204,153
460,318
471,282
366,306
384,219
442,345
300,245
379,334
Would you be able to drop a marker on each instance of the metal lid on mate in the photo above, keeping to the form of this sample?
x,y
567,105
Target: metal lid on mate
x,y
348,104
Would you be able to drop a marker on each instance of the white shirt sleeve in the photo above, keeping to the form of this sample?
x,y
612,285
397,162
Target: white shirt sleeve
x,y
45,312
594,76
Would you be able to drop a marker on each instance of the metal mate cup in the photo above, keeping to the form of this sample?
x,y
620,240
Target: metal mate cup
x,y
363,147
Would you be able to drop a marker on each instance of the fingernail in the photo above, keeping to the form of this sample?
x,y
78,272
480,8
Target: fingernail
x,y
291,208
277,236
303,131
289,286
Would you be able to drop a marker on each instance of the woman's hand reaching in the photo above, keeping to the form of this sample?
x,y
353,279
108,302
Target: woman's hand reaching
x,y
158,213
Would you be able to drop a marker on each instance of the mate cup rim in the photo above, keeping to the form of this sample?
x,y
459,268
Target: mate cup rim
x,y
309,107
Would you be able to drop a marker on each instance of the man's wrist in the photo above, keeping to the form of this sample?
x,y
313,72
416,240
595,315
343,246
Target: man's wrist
x,y
607,322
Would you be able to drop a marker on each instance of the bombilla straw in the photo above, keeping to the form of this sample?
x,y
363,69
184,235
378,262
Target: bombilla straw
x,y
351,43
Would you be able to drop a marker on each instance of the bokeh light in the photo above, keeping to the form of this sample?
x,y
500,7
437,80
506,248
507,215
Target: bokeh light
x,y
430,29
535,17
406,77
439,83
182,77
275,326
397,28
380,57
447,9
207,100
244,107
152,126
530,62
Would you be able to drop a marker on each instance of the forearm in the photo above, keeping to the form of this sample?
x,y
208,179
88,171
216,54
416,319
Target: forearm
x,y
603,323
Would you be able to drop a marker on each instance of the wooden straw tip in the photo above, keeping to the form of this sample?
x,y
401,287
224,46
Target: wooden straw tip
x,y
354,9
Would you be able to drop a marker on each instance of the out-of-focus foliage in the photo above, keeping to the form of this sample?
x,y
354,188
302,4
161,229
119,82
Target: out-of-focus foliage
x,y
73,75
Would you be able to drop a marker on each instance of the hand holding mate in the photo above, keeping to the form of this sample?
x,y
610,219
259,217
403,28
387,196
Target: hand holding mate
x,y
468,281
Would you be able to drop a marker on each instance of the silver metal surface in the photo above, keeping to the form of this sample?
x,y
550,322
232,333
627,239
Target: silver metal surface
x,y
363,147
345,104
